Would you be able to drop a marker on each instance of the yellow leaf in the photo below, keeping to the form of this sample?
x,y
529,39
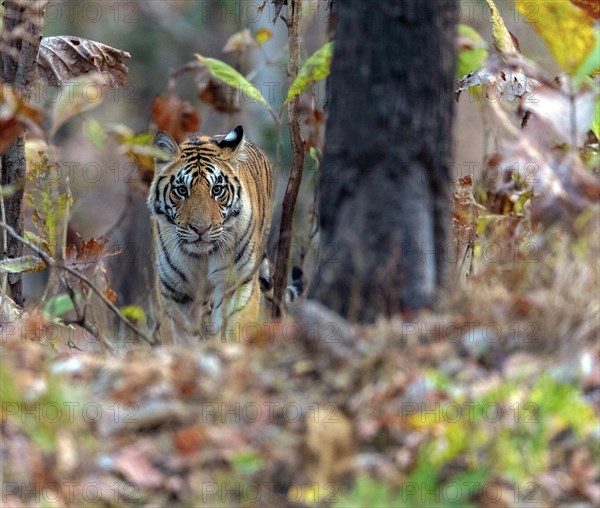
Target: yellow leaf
x,y
566,30
263,35
502,40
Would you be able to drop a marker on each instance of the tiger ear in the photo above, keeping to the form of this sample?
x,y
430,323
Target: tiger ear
x,y
232,141
168,149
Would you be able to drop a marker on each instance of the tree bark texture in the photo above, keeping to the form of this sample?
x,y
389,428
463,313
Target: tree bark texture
x,y
21,35
385,178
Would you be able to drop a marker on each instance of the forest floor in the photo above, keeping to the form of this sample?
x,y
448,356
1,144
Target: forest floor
x,y
493,401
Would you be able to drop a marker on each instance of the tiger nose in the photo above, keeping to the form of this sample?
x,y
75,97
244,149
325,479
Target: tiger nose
x,y
200,230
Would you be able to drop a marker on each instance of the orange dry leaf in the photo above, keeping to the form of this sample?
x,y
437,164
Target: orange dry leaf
x,y
188,440
220,96
175,116
86,253
110,294
591,7
16,115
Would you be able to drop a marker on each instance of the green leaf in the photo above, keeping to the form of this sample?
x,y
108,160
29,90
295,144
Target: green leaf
x,y
32,237
22,264
134,313
247,463
596,120
316,68
472,52
59,305
523,198
314,155
502,40
95,132
229,75
567,30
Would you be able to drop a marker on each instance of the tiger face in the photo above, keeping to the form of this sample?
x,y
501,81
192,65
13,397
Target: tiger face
x,y
196,190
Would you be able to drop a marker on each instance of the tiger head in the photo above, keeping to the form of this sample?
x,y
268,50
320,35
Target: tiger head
x,y
196,193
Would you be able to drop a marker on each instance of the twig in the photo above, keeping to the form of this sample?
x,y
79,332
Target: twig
x,y
53,264
293,186
81,320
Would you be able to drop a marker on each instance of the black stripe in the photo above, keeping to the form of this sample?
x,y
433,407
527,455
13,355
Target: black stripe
x,y
168,258
175,295
157,193
246,239
165,196
244,260
225,267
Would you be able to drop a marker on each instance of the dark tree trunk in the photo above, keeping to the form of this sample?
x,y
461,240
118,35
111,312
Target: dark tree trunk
x,y
385,181
21,34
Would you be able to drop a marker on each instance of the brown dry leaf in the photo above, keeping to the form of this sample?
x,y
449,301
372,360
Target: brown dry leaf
x,y
592,7
219,95
239,42
16,115
465,213
62,58
110,295
175,116
314,120
134,463
187,441
86,253
9,131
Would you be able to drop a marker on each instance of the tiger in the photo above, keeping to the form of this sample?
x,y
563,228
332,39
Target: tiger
x,y
210,200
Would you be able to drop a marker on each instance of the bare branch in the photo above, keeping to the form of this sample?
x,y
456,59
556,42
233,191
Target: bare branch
x,y
78,275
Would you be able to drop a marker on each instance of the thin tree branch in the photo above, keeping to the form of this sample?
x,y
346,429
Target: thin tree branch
x,y
81,320
291,193
78,275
